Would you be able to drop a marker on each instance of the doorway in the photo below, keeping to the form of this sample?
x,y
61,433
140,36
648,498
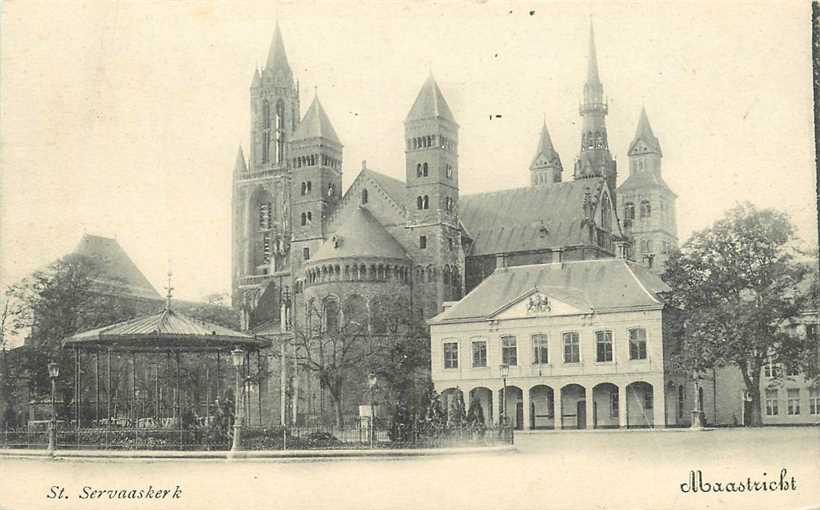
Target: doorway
x,y
581,413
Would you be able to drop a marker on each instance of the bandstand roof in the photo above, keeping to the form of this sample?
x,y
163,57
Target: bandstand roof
x,y
165,331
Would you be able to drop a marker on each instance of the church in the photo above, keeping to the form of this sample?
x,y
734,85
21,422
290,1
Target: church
x,y
295,230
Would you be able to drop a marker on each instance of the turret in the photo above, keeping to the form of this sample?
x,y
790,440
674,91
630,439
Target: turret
x,y
546,166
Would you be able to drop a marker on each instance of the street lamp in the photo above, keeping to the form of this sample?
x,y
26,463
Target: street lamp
x,y
53,373
238,359
371,382
698,417
505,371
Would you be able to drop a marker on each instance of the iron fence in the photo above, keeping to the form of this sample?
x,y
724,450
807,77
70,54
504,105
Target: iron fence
x,y
356,435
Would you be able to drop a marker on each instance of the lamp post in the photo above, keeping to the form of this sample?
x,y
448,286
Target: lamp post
x,y
53,373
371,382
698,418
505,371
237,358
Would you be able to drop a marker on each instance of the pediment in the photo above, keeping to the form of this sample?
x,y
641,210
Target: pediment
x,y
537,303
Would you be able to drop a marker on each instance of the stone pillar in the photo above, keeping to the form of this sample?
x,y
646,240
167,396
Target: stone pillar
x,y
590,405
558,409
497,406
525,396
659,405
622,406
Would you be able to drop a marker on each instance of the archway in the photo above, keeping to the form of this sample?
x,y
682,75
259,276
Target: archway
x,y
483,397
573,407
542,407
605,407
513,406
640,405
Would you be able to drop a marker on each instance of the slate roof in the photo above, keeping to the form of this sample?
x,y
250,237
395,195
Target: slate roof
x,y
165,330
545,147
600,285
361,235
511,220
644,133
645,180
277,57
395,188
316,124
118,271
430,104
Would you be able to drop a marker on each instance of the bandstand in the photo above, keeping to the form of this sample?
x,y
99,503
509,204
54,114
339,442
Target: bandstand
x,y
138,364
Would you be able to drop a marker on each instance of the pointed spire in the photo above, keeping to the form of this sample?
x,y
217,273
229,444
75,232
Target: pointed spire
x,y
644,134
430,103
592,67
316,124
545,148
240,167
546,151
277,58
257,79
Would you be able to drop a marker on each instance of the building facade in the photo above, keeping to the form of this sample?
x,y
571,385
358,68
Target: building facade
x,y
300,242
288,204
585,344
787,397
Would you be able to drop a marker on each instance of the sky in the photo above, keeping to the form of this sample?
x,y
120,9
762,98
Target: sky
x,y
123,119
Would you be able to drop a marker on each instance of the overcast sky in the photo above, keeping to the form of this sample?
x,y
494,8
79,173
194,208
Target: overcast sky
x,y
123,118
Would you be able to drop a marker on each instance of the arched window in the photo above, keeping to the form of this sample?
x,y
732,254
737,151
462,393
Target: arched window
x,y
309,217
280,131
646,209
364,196
418,170
309,187
606,214
419,202
629,211
426,202
331,316
304,188
424,169
304,219
266,134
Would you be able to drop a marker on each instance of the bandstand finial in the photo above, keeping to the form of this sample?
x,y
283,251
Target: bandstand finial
x,y
169,291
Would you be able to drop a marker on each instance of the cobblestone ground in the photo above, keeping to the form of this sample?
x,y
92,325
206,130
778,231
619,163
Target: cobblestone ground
x,y
568,470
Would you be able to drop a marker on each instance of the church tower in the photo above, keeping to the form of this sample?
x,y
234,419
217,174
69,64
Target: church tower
x,y
595,160
316,182
431,166
647,203
261,189
546,167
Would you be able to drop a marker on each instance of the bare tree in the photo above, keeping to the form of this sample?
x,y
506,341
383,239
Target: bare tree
x,y
345,335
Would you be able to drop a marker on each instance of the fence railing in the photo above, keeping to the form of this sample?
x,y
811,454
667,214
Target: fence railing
x,y
358,435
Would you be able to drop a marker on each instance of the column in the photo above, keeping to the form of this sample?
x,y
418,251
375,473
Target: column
x,y
525,395
558,409
659,405
622,411
590,405
497,406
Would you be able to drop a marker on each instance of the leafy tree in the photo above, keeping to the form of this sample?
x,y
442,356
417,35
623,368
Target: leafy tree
x,y
59,301
734,286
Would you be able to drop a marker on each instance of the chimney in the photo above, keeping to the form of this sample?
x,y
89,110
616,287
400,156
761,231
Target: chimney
x,y
500,261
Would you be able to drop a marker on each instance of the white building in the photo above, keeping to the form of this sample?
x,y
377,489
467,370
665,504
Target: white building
x,y
584,342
